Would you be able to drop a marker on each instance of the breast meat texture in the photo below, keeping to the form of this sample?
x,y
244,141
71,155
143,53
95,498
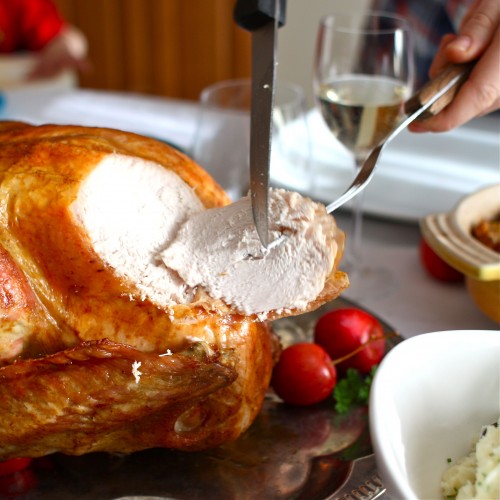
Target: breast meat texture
x,y
113,354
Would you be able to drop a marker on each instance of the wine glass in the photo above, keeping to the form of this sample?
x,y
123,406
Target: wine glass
x,y
222,139
291,146
221,142
363,72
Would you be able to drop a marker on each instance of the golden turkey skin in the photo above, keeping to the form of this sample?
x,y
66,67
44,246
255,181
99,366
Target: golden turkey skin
x,y
103,347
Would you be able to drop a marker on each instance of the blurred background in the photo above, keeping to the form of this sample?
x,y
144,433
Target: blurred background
x,y
176,48
162,47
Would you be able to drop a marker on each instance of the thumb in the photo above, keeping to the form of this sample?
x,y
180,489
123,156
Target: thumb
x,y
476,31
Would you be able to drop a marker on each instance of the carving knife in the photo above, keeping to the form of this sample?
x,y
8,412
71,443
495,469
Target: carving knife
x,y
262,18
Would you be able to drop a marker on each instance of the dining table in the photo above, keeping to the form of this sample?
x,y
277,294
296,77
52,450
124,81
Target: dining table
x,y
418,174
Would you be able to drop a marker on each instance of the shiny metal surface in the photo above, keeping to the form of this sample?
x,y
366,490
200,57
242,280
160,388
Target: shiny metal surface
x,y
288,453
362,481
263,78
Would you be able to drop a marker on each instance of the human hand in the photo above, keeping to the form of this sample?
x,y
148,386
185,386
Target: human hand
x,y
67,51
478,38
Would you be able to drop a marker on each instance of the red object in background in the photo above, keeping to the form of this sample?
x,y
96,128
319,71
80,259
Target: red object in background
x,y
13,465
28,24
16,477
304,375
17,484
343,331
436,266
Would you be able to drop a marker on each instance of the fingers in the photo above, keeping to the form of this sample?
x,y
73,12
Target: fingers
x,y
476,32
47,68
440,60
479,38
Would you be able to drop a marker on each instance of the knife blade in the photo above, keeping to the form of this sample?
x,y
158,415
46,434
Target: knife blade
x,y
262,18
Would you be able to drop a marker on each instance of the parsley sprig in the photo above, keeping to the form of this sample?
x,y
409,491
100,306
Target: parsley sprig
x,y
352,390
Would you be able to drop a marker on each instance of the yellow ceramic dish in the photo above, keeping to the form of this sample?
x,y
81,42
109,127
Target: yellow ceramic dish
x,y
450,236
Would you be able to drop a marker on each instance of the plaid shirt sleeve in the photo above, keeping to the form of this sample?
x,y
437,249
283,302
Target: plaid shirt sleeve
x,y
430,20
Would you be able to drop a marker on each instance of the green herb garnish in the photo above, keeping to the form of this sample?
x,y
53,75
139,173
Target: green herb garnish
x,y
353,390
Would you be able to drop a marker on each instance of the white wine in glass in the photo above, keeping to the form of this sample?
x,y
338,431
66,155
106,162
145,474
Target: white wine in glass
x,y
361,110
363,73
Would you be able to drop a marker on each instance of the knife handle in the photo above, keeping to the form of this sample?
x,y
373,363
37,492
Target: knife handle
x,y
253,14
434,86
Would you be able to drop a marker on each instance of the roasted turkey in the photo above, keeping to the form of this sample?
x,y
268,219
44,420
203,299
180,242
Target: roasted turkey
x,y
106,344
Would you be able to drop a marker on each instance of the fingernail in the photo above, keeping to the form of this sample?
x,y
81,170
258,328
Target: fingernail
x,y
462,43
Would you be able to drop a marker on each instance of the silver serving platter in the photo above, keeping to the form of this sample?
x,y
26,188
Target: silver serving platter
x,y
287,453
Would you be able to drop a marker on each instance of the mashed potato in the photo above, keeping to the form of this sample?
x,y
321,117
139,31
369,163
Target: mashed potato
x,y
476,476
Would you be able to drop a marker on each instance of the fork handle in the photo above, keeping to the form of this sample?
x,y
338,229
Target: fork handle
x,y
435,85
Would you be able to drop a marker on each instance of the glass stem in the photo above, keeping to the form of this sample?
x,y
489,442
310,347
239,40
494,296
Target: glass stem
x,y
357,222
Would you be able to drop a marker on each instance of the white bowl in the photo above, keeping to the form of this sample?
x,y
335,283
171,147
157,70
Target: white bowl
x,y
430,397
